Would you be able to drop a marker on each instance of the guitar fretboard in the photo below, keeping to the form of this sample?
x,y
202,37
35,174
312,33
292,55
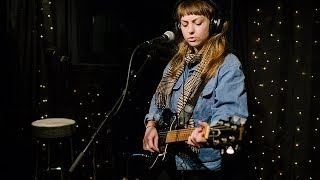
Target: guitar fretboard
x,y
182,135
178,135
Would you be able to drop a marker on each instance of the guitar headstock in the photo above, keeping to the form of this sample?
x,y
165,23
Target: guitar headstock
x,y
227,134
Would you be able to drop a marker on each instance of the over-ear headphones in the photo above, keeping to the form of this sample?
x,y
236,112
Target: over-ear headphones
x,y
216,21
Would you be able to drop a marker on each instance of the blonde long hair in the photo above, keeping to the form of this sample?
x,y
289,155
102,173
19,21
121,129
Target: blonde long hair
x,y
215,49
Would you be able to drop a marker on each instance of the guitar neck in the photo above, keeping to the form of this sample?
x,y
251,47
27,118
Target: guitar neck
x,y
182,135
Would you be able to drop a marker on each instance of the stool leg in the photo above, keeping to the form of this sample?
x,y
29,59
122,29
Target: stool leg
x,y
49,158
71,149
66,163
36,146
62,160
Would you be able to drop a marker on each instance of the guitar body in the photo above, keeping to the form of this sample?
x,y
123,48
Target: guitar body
x,y
165,156
171,141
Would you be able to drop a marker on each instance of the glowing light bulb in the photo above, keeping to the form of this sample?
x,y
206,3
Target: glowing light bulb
x,y
230,150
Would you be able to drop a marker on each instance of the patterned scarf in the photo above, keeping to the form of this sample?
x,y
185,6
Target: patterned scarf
x,y
164,89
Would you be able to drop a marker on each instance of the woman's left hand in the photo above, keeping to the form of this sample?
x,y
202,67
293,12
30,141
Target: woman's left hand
x,y
197,137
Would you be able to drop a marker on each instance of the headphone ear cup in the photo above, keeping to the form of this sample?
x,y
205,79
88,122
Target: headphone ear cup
x,y
216,25
177,26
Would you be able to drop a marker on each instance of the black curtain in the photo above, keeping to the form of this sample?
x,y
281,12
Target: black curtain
x,y
239,165
22,68
37,64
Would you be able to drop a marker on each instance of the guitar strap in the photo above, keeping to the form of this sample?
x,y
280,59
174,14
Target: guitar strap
x,y
187,111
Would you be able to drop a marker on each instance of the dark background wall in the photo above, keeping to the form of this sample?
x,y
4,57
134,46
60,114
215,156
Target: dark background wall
x,y
70,59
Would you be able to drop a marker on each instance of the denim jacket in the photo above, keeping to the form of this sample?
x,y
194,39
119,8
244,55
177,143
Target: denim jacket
x,y
223,97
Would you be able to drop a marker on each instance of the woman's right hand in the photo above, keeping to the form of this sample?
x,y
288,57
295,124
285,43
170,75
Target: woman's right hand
x,y
150,140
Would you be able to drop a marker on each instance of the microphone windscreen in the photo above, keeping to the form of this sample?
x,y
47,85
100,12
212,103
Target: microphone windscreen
x,y
170,35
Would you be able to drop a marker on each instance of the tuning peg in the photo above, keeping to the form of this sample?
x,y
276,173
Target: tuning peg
x,y
232,138
230,150
222,151
220,122
224,140
243,121
234,127
216,142
235,119
237,147
227,124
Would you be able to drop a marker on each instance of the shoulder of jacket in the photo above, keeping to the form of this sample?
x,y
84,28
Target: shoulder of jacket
x,y
231,60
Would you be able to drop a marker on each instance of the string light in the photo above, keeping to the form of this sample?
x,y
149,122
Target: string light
x,y
265,49
265,46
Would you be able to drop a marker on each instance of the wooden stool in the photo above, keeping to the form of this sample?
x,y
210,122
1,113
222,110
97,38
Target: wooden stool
x,y
49,132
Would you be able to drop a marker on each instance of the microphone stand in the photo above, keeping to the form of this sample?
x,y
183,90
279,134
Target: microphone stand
x,y
116,105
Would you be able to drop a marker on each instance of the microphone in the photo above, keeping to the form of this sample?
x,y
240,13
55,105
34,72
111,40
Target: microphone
x,y
166,37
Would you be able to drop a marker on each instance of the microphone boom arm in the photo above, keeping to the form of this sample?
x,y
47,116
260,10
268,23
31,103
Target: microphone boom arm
x,y
116,106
